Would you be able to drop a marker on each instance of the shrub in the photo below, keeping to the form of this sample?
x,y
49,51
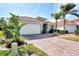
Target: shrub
x,y
1,33
30,48
58,31
0,28
10,41
51,30
66,31
77,32
62,31
54,30
21,41
4,53
2,41
8,35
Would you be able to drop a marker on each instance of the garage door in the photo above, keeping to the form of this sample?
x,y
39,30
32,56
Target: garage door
x,y
30,29
70,28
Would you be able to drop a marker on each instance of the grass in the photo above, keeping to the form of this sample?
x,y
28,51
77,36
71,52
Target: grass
x,y
30,48
39,52
70,37
4,53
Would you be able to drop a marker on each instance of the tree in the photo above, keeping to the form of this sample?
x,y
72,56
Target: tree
x,y
16,26
56,16
68,9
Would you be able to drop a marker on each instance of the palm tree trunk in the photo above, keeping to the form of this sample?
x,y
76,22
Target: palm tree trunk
x,y
56,25
64,23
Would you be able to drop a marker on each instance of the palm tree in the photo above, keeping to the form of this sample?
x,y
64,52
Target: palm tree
x,y
5,28
56,16
16,25
68,9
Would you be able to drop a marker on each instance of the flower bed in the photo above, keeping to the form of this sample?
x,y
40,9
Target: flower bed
x,y
26,50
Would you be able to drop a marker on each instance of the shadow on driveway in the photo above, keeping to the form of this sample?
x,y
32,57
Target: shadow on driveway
x,y
37,36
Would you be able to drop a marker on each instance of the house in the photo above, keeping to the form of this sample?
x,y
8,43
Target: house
x,y
33,25
70,25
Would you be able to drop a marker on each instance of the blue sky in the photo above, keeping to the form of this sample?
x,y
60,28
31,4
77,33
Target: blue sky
x,y
31,9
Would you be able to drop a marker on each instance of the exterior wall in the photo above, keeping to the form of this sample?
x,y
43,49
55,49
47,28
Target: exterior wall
x,y
77,22
70,28
60,27
54,27
30,29
33,25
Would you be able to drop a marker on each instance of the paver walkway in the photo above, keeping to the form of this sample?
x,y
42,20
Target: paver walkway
x,y
54,46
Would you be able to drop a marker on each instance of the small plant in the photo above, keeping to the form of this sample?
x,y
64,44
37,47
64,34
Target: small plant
x,y
1,34
29,49
8,35
10,41
51,30
21,41
4,53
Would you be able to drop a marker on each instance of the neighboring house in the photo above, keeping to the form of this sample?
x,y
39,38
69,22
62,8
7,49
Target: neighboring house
x,y
69,25
33,25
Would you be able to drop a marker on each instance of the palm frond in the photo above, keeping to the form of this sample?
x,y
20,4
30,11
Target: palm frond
x,y
74,13
52,14
67,7
56,15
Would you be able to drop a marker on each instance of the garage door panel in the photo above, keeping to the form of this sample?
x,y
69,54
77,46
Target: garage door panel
x,y
30,29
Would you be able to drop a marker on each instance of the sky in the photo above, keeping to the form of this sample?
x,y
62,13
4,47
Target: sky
x,y
32,9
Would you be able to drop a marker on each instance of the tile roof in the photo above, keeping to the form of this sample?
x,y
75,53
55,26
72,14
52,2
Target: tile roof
x,y
32,20
67,22
75,20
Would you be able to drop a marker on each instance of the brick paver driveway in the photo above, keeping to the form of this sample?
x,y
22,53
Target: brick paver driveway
x,y
55,46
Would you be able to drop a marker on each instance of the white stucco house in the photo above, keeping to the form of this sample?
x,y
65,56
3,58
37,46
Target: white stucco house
x,y
33,25
70,25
